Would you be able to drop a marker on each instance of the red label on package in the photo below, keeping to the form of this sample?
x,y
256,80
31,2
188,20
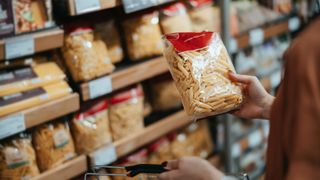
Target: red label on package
x,y
190,40
127,95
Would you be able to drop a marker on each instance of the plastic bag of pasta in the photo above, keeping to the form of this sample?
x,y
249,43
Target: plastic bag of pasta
x,y
160,151
109,34
143,36
126,113
165,95
86,57
53,144
199,64
201,15
174,18
90,128
18,159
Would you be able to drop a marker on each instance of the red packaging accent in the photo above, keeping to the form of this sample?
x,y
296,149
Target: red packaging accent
x,y
189,41
174,9
100,106
154,146
200,3
127,95
78,27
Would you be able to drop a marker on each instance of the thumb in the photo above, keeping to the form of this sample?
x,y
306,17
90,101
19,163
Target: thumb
x,y
172,164
240,78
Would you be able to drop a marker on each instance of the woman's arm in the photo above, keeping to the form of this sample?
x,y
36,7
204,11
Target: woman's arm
x,y
258,101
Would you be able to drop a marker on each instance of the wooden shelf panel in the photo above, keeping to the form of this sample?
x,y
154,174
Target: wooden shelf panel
x,y
104,4
67,170
131,75
151,133
51,110
243,41
43,41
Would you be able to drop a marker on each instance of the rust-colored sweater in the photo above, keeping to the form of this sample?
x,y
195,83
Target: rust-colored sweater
x,y
294,141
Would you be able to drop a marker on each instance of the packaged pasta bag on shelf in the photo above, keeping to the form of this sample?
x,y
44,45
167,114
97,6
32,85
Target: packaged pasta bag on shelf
x,y
199,64
174,18
110,36
85,56
160,151
126,112
180,146
139,157
165,95
18,158
201,15
199,136
53,144
90,127
25,77
143,36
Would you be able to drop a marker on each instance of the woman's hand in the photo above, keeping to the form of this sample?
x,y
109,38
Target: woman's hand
x,y
258,102
190,168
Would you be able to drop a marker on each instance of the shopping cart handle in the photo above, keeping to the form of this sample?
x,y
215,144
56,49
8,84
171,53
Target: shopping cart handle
x,y
145,169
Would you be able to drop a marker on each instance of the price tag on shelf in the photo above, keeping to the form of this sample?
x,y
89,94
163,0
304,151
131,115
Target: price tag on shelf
x,y
233,45
11,125
134,5
104,155
100,87
294,24
19,46
83,6
236,150
255,138
256,37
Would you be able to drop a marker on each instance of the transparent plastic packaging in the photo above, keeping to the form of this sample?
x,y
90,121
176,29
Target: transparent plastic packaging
x,y
18,159
160,151
199,64
143,36
90,128
126,113
53,145
110,36
85,56
174,18
201,15
165,95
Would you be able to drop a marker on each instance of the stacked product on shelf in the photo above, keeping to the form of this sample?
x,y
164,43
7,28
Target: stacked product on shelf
x,y
126,112
143,36
27,85
21,16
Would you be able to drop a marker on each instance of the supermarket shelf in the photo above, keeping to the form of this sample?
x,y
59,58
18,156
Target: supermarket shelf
x,y
43,41
131,75
51,110
104,4
67,170
276,29
151,133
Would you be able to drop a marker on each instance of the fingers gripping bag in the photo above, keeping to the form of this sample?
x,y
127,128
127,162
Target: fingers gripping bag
x,y
199,64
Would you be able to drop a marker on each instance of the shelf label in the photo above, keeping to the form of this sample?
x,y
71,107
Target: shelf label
x,y
100,87
83,6
11,125
255,138
236,150
294,24
233,45
256,37
104,155
19,46
134,5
